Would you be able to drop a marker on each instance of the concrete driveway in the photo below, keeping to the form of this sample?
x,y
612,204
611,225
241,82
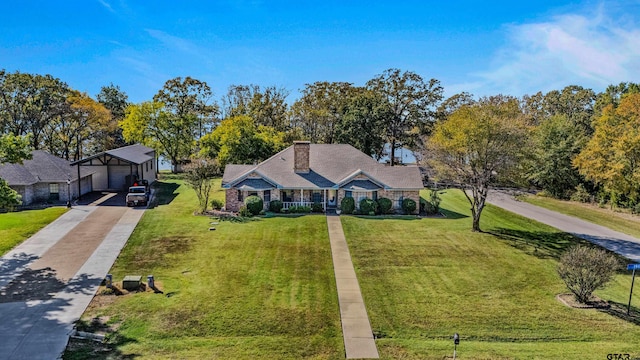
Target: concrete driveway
x,y
47,282
623,244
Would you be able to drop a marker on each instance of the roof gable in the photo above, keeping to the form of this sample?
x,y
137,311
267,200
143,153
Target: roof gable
x,y
330,165
42,167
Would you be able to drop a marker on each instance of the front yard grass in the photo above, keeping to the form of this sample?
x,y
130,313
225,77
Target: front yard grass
x,y
622,222
423,280
16,227
260,289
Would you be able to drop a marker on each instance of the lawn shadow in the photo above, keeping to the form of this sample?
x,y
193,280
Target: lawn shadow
x,y
619,310
450,214
165,192
542,244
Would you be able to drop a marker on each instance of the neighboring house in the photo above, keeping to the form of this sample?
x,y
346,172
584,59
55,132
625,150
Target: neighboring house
x,y
324,173
46,178
115,170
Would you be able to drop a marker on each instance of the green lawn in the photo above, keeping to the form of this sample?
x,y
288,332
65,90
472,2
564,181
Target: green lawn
x,y
423,280
265,289
261,289
622,222
16,227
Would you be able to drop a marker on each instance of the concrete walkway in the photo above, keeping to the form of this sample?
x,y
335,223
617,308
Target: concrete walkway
x,y
623,244
47,282
356,329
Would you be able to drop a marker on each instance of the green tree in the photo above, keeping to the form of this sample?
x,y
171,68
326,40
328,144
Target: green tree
x,y
478,144
28,103
611,158
110,136
556,143
413,102
266,106
321,109
150,124
363,123
189,101
238,140
199,174
13,149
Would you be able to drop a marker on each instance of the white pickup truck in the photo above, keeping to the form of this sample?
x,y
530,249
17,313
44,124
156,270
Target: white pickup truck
x,y
137,195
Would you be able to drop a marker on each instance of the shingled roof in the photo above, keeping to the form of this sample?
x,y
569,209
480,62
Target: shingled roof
x,y
330,165
135,154
42,167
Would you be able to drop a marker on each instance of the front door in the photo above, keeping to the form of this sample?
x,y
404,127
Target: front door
x,y
331,199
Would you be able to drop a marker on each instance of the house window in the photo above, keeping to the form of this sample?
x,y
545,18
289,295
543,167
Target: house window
x,y
317,197
359,195
240,195
253,193
374,196
287,195
267,196
347,193
54,191
146,165
397,199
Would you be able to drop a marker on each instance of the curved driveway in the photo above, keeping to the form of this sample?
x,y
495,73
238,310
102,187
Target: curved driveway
x,y
623,244
47,282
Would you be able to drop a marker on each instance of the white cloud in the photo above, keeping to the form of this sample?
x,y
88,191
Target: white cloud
x,y
591,51
106,5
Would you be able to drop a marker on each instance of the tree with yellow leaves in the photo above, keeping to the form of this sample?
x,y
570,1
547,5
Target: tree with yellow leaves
x,y
478,144
611,158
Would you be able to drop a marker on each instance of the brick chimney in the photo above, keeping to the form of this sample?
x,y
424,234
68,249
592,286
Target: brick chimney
x,y
301,156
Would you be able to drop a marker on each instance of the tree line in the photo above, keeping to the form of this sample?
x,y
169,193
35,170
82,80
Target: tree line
x,y
570,143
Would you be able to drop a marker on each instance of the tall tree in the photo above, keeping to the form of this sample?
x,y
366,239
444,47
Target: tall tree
x,y
413,102
611,158
320,109
363,123
29,102
110,136
477,144
238,140
557,141
149,123
190,101
266,106
453,103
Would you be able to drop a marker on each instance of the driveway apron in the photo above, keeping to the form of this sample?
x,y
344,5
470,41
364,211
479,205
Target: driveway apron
x,y
47,282
623,244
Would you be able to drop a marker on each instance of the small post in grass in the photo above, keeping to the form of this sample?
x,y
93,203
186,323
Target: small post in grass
x,y
456,341
633,279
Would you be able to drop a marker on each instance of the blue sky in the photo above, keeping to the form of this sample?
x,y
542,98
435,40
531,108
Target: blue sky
x,y
483,47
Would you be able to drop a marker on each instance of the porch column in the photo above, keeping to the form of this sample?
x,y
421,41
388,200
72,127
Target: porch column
x,y
324,203
301,196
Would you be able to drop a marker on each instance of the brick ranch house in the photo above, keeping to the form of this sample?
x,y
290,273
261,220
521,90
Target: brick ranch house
x,y
306,173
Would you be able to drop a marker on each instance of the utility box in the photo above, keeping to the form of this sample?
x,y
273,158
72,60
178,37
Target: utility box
x,y
131,282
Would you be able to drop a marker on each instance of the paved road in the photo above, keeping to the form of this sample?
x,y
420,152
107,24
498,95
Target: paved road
x,y
47,282
623,244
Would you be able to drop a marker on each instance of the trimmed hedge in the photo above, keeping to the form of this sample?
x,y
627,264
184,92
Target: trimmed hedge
x,y
317,207
299,209
385,206
275,206
254,204
348,205
368,206
409,206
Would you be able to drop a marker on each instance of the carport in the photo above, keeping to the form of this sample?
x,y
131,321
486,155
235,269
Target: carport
x,y
114,170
